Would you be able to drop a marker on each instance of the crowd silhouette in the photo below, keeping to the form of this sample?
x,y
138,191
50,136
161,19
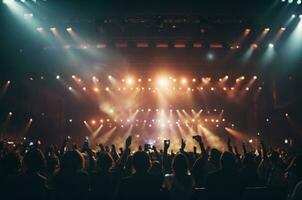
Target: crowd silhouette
x,y
83,173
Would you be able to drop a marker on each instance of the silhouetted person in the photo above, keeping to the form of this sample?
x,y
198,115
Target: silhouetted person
x,y
103,180
71,182
10,171
32,184
140,185
180,183
224,183
156,171
248,172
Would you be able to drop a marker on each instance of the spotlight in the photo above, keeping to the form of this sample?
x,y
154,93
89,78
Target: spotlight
x,y
70,88
271,45
255,77
283,29
8,82
300,16
184,81
53,28
299,2
69,29
84,88
163,82
129,81
7,1
250,141
39,29
31,120
286,141
70,120
210,56
96,89
293,16
254,46
267,29
107,89
286,115
93,122
57,77
193,80
10,113
109,77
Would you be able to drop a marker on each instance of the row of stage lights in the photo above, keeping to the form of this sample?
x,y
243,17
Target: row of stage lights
x,y
161,80
164,44
298,2
22,1
161,83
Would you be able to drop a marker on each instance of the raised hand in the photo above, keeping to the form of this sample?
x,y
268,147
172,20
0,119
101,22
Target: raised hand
x,y
128,142
197,138
183,144
166,144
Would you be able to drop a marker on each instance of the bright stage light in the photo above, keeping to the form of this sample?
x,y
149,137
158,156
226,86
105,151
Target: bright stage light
x,y
96,89
31,120
93,122
107,89
267,29
163,82
57,77
39,29
84,88
10,113
210,56
283,29
184,81
7,1
109,77
299,2
254,46
69,29
193,80
250,141
70,88
286,141
290,1
129,81
70,120
286,115
271,45
255,77
53,28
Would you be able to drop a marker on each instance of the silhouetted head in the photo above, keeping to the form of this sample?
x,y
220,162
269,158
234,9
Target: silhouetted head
x,y
180,164
34,160
141,161
155,168
52,163
72,161
104,161
274,157
249,160
215,155
227,161
11,162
